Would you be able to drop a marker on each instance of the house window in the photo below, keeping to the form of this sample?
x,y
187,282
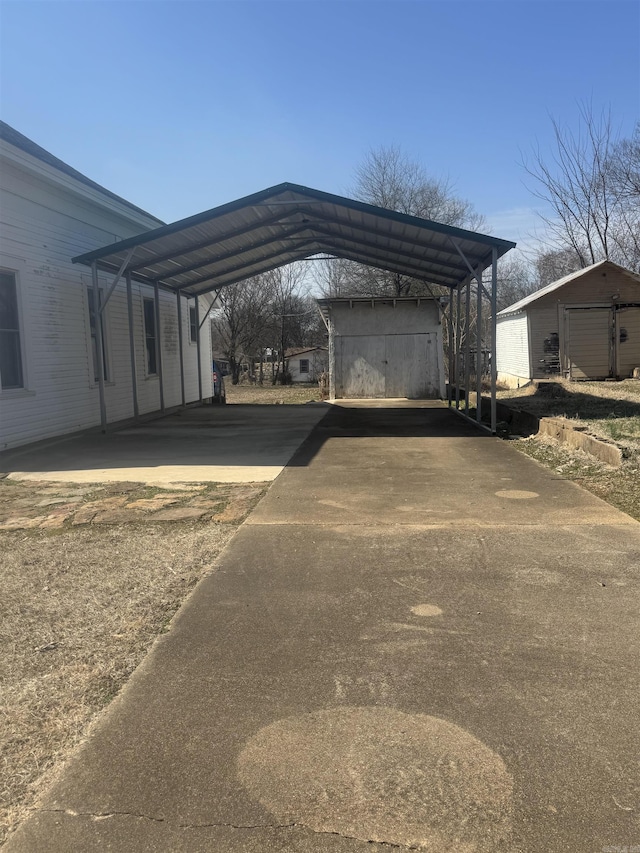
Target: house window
x,y
304,365
150,336
11,375
193,326
94,338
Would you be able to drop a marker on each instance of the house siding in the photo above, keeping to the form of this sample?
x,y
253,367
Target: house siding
x,y
512,345
44,223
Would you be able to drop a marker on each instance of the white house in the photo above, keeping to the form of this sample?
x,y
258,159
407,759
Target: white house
x,y
384,347
48,334
307,364
583,326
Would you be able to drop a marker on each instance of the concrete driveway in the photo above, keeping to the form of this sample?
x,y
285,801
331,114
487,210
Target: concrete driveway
x,y
225,444
420,639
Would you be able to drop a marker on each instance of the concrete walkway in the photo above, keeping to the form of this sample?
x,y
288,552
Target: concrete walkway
x,y
420,639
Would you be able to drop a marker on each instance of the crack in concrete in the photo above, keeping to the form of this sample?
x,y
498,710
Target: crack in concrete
x,y
294,825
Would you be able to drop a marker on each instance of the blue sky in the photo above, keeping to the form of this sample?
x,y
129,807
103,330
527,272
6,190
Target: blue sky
x,y
180,107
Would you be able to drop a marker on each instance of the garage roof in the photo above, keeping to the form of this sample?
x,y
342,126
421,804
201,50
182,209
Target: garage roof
x,y
287,223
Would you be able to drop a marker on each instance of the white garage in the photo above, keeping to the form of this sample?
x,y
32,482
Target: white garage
x,y
384,347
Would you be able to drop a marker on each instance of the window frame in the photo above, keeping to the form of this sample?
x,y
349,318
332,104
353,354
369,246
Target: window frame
x,y
147,337
19,330
193,325
307,363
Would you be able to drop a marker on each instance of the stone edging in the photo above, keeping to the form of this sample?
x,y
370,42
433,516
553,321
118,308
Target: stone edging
x,y
575,435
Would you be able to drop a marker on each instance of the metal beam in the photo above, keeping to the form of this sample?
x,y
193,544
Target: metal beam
x,y
494,352
197,304
243,276
132,347
383,264
467,345
233,253
244,265
98,320
479,355
114,283
202,244
380,234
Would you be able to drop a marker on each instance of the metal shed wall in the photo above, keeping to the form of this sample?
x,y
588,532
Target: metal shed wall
x,y
386,348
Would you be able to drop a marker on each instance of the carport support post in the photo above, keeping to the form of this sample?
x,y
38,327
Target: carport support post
x,y
458,333
132,347
494,359
98,321
179,296
198,348
467,347
451,352
156,299
479,351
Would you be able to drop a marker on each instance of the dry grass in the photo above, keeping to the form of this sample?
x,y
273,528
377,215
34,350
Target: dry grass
x,y
618,486
79,609
287,395
610,410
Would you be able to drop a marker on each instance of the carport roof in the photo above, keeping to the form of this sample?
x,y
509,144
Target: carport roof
x,y
287,223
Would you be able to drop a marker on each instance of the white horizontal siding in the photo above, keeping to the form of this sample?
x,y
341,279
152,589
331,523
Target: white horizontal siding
x,y
41,228
512,346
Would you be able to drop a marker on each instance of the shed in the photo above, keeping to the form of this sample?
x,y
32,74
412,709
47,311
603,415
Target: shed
x,y
384,347
583,326
306,364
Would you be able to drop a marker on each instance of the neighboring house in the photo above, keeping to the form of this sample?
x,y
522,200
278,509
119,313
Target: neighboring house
x,y
48,355
583,326
307,364
384,347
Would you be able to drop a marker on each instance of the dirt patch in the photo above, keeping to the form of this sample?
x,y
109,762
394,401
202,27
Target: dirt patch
x,y
90,577
287,395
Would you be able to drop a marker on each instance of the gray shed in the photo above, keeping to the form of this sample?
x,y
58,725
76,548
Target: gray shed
x,y
583,326
384,347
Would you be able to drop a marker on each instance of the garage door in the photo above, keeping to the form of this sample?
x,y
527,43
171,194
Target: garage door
x,y
588,336
387,366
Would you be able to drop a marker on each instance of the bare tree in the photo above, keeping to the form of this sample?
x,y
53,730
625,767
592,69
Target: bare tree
x,y
588,182
242,320
389,178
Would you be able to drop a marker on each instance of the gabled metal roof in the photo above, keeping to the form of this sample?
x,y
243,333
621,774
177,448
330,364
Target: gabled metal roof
x,y
555,285
287,223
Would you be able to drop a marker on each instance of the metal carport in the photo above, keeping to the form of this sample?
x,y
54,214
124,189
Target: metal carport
x,y
288,222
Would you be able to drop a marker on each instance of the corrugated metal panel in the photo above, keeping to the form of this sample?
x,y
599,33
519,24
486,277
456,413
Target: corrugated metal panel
x,y
588,342
289,222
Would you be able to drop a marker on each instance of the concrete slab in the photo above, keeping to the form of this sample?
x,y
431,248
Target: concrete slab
x,y
224,444
346,682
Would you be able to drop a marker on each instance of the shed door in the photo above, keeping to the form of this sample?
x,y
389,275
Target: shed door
x,y
627,341
360,364
412,368
588,342
387,366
